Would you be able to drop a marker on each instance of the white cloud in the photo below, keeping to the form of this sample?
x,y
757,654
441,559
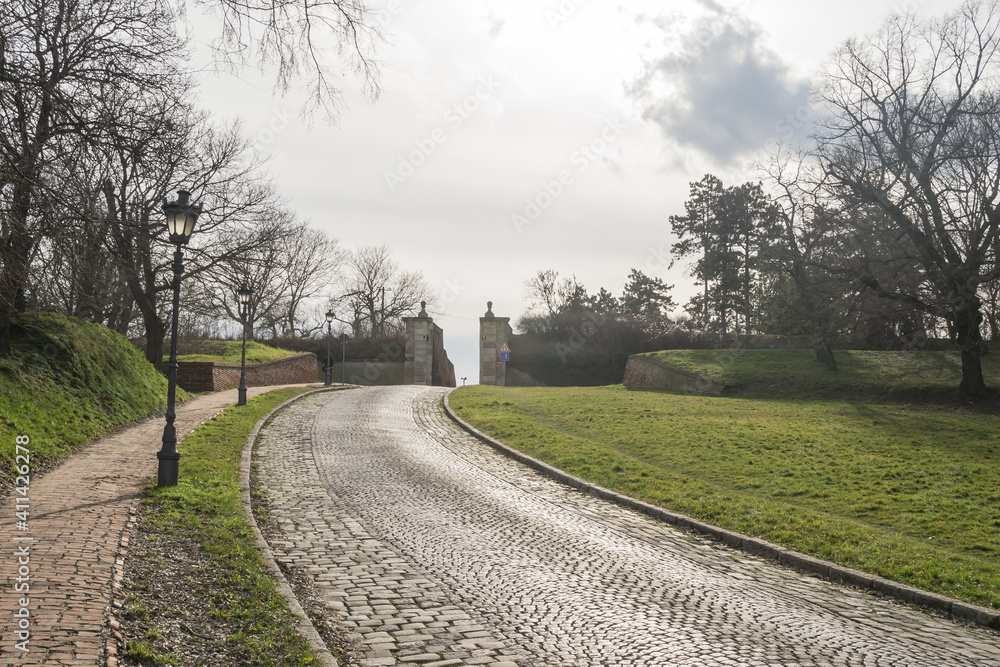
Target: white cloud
x,y
723,91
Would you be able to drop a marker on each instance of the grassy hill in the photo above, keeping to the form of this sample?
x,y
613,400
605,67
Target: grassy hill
x,y
901,376
68,381
824,463
229,351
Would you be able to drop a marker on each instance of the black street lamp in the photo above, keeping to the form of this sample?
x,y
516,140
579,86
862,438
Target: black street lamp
x,y
329,329
344,340
244,296
181,218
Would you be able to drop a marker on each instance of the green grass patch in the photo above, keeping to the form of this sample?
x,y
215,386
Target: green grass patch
x,y
144,654
230,351
905,492
864,375
206,503
68,381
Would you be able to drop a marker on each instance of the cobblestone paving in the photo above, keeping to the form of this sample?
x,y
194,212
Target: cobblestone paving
x,y
439,551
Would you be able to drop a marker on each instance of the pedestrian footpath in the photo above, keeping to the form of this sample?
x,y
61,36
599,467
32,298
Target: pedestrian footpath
x,y
59,565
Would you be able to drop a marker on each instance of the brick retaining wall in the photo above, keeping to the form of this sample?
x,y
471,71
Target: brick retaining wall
x,y
212,376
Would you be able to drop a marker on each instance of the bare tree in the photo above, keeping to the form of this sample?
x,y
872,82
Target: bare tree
x,y
292,34
913,129
806,251
284,275
73,275
56,62
309,261
542,292
545,291
153,147
378,292
257,265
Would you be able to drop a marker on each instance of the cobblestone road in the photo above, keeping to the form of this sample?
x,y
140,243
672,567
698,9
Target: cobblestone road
x,y
438,551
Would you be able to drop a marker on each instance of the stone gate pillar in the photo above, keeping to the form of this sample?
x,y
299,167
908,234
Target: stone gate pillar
x,y
418,364
493,333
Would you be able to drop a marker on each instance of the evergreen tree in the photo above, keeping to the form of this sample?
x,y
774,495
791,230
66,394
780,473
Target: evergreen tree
x,y
646,296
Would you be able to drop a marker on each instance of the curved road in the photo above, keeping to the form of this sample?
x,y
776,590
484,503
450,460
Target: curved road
x,y
438,551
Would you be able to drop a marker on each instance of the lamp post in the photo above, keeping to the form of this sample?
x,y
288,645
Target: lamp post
x,y
344,340
181,218
329,329
244,296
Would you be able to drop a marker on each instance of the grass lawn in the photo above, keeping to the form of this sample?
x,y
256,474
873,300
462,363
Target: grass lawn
x,y
906,492
233,591
229,352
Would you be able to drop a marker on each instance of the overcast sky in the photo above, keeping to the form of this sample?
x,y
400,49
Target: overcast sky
x,y
523,135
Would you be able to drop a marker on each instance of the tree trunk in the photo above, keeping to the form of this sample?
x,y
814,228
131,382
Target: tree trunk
x,y
5,322
746,290
824,354
156,330
18,246
156,334
973,385
14,260
13,280
704,271
967,320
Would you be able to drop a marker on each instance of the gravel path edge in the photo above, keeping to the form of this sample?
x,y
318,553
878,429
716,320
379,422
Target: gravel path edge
x,y
976,615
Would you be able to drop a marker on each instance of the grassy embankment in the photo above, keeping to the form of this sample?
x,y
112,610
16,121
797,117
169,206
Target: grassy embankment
x,y
231,590
823,463
229,351
68,381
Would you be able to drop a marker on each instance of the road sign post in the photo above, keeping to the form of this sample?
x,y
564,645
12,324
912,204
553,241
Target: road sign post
x,y
504,357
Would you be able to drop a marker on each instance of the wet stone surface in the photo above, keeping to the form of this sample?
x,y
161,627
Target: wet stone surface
x,y
436,550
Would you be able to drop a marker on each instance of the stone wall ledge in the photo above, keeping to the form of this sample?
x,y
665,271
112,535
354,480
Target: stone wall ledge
x,y
647,373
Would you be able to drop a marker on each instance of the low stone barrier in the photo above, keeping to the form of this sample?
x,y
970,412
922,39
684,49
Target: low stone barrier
x,y
642,371
367,372
213,376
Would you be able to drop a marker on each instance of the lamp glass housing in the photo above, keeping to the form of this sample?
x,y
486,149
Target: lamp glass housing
x,y
181,217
